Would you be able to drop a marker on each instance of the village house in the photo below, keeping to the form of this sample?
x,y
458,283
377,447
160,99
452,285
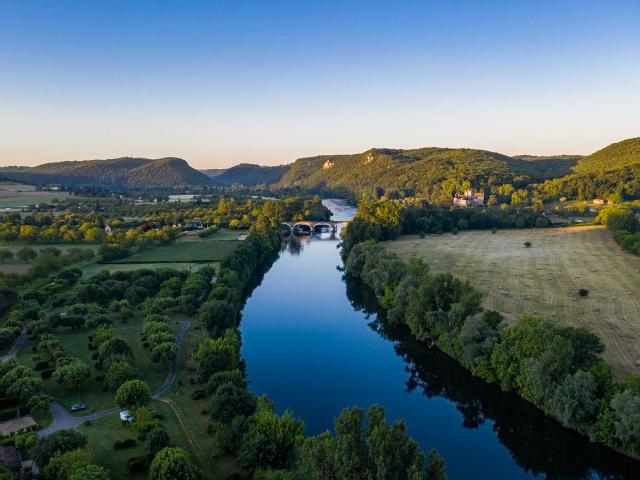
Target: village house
x,y
470,198
598,201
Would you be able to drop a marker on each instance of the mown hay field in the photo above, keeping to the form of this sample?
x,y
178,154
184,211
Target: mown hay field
x,y
544,280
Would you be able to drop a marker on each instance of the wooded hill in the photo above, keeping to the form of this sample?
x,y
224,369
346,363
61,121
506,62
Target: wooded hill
x,y
118,172
613,157
434,172
612,172
247,174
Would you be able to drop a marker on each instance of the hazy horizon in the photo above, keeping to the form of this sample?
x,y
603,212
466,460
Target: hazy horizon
x,y
221,83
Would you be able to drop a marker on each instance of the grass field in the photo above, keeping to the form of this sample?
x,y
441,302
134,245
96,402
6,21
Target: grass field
x,y
14,199
189,248
9,186
544,279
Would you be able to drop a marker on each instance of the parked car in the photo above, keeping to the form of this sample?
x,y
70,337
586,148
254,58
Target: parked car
x,y
76,407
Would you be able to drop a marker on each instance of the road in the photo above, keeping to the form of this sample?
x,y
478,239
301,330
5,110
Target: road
x,y
20,342
63,420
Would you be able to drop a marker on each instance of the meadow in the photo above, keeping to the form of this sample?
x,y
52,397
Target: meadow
x,y
544,279
189,248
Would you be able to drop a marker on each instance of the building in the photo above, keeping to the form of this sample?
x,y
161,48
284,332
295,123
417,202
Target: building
x,y
470,198
327,165
598,201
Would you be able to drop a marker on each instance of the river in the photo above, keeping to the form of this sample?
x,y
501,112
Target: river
x,y
312,346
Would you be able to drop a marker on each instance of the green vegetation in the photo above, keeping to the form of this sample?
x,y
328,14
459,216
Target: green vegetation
x,y
624,224
557,368
189,249
249,175
117,172
613,157
435,173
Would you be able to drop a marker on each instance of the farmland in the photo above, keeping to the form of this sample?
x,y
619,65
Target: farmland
x,y
544,280
189,248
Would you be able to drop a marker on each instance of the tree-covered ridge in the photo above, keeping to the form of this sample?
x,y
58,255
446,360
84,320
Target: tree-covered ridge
x,y
117,172
552,165
615,156
436,173
249,174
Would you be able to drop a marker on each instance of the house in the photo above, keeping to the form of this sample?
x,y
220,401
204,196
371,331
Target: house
x,y
563,199
327,165
598,201
470,198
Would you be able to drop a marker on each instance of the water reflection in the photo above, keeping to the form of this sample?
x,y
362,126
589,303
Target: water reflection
x,y
538,444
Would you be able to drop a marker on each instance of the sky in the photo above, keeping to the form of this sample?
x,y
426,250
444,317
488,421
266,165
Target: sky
x,y
223,82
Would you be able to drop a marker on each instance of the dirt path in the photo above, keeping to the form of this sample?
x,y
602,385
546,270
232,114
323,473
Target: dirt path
x,y
18,345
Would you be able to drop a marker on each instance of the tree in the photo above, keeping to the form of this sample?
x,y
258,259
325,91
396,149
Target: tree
x,y
270,441
436,467
114,347
133,393
5,255
216,316
72,374
172,463
164,352
58,442
62,465
575,402
118,373
90,472
231,400
157,439
216,356
26,254
626,411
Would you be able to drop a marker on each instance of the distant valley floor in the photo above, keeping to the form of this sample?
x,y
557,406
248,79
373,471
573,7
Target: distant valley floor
x,y
544,280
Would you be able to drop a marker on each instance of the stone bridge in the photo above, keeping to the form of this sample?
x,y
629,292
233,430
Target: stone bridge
x,y
307,227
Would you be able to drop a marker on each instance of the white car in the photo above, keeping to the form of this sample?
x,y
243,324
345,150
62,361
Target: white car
x,y
125,416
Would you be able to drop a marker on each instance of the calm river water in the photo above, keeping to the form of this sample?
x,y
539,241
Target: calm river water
x,y
311,346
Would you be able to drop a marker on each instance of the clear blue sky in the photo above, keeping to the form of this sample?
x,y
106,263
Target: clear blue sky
x,y
221,82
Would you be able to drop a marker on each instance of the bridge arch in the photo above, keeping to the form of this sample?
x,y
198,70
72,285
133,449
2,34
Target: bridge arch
x,y
323,227
302,228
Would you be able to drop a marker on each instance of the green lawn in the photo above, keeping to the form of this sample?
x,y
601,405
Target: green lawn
x,y
189,248
102,434
75,343
186,421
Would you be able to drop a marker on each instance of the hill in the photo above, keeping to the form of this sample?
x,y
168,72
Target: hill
x,y
553,165
613,157
250,174
435,172
117,172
